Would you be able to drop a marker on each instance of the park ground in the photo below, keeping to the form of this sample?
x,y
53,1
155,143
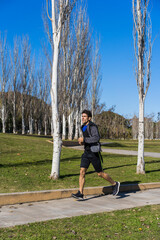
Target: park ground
x,y
25,163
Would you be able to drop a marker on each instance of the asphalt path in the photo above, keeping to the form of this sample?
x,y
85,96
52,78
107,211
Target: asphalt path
x,y
18,214
122,152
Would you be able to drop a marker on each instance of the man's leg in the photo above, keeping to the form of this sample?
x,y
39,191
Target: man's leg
x,y
106,177
79,194
82,179
115,185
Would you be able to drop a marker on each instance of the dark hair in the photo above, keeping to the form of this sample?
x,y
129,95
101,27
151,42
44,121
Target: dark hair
x,y
89,114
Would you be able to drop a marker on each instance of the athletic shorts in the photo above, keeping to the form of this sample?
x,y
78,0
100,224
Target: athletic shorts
x,y
94,158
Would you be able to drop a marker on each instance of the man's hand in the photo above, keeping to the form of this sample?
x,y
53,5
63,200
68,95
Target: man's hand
x,y
80,140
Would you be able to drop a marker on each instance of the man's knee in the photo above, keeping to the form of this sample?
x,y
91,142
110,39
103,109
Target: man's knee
x,y
82,172
100,174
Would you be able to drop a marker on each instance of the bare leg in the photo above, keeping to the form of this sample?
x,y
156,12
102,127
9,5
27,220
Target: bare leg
x,y
82,179
107,177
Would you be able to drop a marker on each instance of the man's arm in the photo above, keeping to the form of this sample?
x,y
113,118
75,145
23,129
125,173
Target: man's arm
x,y
94,135
81,141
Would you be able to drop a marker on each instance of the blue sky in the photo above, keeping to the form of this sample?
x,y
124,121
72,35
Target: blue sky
x,y
112,21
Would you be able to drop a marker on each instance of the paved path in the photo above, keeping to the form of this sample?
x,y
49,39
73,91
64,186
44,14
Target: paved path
x,y
123,152
18,214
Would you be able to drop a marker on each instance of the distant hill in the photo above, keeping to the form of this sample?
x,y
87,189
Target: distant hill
x,y
112,125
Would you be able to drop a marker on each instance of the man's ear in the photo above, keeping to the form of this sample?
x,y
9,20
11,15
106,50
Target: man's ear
x,y
89,118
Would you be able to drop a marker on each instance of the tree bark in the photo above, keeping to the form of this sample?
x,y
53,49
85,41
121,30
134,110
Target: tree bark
x,y
140,161
64,127
14,112
23,117
57,142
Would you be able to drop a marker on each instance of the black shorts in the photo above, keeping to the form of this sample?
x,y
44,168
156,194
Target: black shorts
x,y
94,158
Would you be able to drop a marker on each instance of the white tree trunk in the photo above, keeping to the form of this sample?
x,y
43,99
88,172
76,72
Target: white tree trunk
x,y
140,161
77,126
3,119
30,124
23,121
57,142
52,127
39,127
14,113
70,126
45,125
64,127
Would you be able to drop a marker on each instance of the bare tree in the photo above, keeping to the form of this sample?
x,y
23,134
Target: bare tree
x,y
96,78
82,66
31,89
24,76
135,127
143,47
157,133
4,77
59,14
149,127
14,80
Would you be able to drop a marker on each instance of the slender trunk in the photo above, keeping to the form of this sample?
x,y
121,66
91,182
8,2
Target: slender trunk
x,y
70,126
93,105
35,127
23,121
3,119
45,125
140,162
57,142
30,119
81,109
30,124
14,113
64,127
39,127
77,126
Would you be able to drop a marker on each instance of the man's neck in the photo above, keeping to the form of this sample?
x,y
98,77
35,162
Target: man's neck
x,y
86,123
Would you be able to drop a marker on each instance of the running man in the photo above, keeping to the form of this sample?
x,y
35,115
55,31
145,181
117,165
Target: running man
x,y
91,138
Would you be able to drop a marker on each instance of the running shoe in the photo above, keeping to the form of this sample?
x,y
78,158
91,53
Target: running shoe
x,y
116,188
77,195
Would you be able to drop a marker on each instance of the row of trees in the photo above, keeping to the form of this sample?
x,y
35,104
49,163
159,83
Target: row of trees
x,y
71,67
25,84
151,127
24,89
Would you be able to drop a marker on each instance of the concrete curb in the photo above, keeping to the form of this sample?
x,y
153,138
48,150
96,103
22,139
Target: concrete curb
x,y
35,196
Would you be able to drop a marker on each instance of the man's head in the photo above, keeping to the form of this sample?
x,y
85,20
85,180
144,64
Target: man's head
x,y
86,116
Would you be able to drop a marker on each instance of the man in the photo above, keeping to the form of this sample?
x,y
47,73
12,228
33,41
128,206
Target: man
x,y
91,138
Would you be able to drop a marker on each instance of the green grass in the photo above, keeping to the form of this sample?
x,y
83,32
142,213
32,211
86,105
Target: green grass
x,y
149,145
131,224
25,164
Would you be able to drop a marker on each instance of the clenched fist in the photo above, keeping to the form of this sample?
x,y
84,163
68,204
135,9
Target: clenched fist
x,y
80,140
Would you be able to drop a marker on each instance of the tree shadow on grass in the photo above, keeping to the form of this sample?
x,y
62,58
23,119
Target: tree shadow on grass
x,y
156,170
153,161
75,174
25,164
115,145
40,162
37,136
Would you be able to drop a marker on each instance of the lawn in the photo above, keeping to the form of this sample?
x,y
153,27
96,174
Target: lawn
x,y
149,146
130,224
25,164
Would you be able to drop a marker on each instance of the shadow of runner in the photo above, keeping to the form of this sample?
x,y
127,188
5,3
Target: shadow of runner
x,y
89,198
122,195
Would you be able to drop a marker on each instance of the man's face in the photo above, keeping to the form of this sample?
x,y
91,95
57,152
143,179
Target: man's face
x,y
85,118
